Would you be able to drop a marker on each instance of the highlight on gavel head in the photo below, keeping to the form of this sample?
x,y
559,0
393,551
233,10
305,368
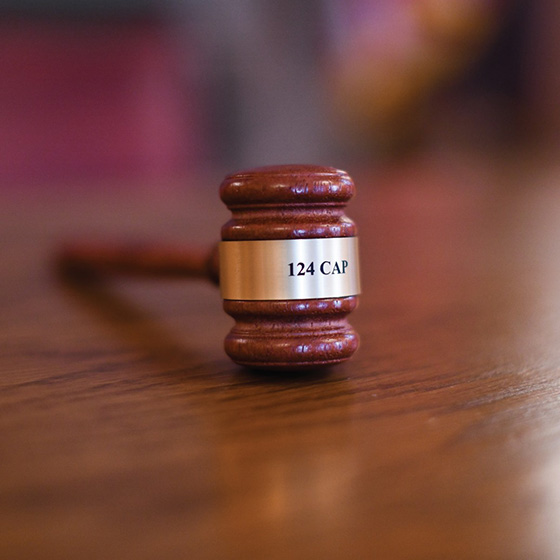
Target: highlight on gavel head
x,y
289,267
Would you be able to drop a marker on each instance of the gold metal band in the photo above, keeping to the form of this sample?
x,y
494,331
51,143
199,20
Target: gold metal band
x,y
285,269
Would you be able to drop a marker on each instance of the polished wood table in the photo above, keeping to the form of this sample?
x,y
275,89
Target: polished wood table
x,y
125,431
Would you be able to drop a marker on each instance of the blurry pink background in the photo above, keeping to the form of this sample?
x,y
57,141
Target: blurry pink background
x,y
93,99
90,94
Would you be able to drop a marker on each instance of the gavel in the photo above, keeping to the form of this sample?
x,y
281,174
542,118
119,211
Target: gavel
x,y
287,266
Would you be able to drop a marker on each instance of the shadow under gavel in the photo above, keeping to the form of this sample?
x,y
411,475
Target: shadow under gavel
x,y
287,266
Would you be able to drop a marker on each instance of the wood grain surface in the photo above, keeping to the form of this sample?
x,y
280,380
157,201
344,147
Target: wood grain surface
x,y
125,431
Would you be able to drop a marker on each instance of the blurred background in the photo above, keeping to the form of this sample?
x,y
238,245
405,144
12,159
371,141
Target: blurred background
x,y
143,89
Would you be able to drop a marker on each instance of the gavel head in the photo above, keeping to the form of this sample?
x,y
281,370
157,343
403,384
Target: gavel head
x,y
289,269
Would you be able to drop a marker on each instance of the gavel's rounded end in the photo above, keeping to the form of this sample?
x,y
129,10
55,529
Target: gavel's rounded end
x,y
287,184
291,335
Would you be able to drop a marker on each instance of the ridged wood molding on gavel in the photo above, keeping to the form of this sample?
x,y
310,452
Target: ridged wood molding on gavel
x,y
287,266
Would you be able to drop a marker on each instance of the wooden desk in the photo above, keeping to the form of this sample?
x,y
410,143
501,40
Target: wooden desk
x,y
125,432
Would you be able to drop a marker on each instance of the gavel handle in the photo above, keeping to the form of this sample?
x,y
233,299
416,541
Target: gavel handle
x,y
89,261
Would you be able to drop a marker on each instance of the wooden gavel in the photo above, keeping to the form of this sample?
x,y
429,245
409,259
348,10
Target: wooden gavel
x,y
287,266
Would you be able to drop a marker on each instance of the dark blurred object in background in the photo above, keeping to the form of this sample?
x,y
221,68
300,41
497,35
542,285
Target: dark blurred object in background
x,y
401,67
543,72
487,103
